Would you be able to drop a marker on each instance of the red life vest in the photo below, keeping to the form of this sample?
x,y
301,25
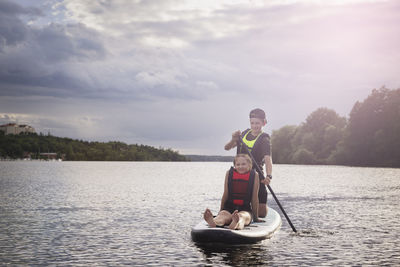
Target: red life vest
x,y
240,188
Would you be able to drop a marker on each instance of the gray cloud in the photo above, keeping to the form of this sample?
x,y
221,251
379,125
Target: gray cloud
x,y
12,30
33,59
72,60
185,74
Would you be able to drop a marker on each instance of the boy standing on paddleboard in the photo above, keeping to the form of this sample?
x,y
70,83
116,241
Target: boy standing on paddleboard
x,y
258,143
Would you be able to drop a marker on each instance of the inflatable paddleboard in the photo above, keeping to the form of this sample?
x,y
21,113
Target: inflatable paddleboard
x,y
252,233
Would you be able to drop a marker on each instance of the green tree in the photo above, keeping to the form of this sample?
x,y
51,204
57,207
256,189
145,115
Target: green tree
x,y
314,141
282,144
325,128
13,146
373,137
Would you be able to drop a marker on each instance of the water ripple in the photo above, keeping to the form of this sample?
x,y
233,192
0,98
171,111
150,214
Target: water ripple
x,y
84,214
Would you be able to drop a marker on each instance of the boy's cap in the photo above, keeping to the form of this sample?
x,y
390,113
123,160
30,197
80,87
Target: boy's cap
x,y
257,113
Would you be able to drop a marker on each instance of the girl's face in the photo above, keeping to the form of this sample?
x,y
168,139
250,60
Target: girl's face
x,y
256,125
242,165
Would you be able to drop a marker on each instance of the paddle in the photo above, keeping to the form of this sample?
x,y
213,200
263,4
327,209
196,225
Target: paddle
x,y
260,172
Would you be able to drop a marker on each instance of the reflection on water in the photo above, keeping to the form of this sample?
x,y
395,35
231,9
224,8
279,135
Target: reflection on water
x,y
130,213
314,233
240,255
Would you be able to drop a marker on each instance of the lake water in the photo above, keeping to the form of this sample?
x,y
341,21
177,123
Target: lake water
x,y
141,213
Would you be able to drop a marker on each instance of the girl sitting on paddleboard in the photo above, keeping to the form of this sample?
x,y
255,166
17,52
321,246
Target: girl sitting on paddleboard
x,y
239,203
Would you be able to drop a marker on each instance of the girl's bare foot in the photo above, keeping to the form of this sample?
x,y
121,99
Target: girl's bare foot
x,y
235,220
209,218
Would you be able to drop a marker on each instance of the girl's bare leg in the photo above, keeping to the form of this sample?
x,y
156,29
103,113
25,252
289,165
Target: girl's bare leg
x,y
223,217
240,220
209,218
235,220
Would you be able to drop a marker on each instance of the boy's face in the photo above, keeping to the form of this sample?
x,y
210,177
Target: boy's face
x,y
256,124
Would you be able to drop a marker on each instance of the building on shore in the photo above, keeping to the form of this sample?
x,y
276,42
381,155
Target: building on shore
x,y
49,156
13,128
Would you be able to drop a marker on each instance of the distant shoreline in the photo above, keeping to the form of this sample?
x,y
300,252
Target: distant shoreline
x,y
190,158
208,158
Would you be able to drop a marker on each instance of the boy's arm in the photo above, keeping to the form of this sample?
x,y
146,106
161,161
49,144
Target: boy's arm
x,y
235,137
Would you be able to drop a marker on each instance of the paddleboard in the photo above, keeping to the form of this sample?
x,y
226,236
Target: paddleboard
x,y
256,231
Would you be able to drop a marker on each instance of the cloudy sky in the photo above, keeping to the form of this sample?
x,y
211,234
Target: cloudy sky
x,y
185,74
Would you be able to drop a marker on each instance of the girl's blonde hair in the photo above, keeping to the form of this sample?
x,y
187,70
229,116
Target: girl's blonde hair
x,y
246,157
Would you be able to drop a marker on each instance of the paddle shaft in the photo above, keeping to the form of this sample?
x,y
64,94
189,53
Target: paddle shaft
x,y
260,172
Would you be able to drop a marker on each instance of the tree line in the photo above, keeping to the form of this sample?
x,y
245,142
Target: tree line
x,y
209,158
369,137
34,145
